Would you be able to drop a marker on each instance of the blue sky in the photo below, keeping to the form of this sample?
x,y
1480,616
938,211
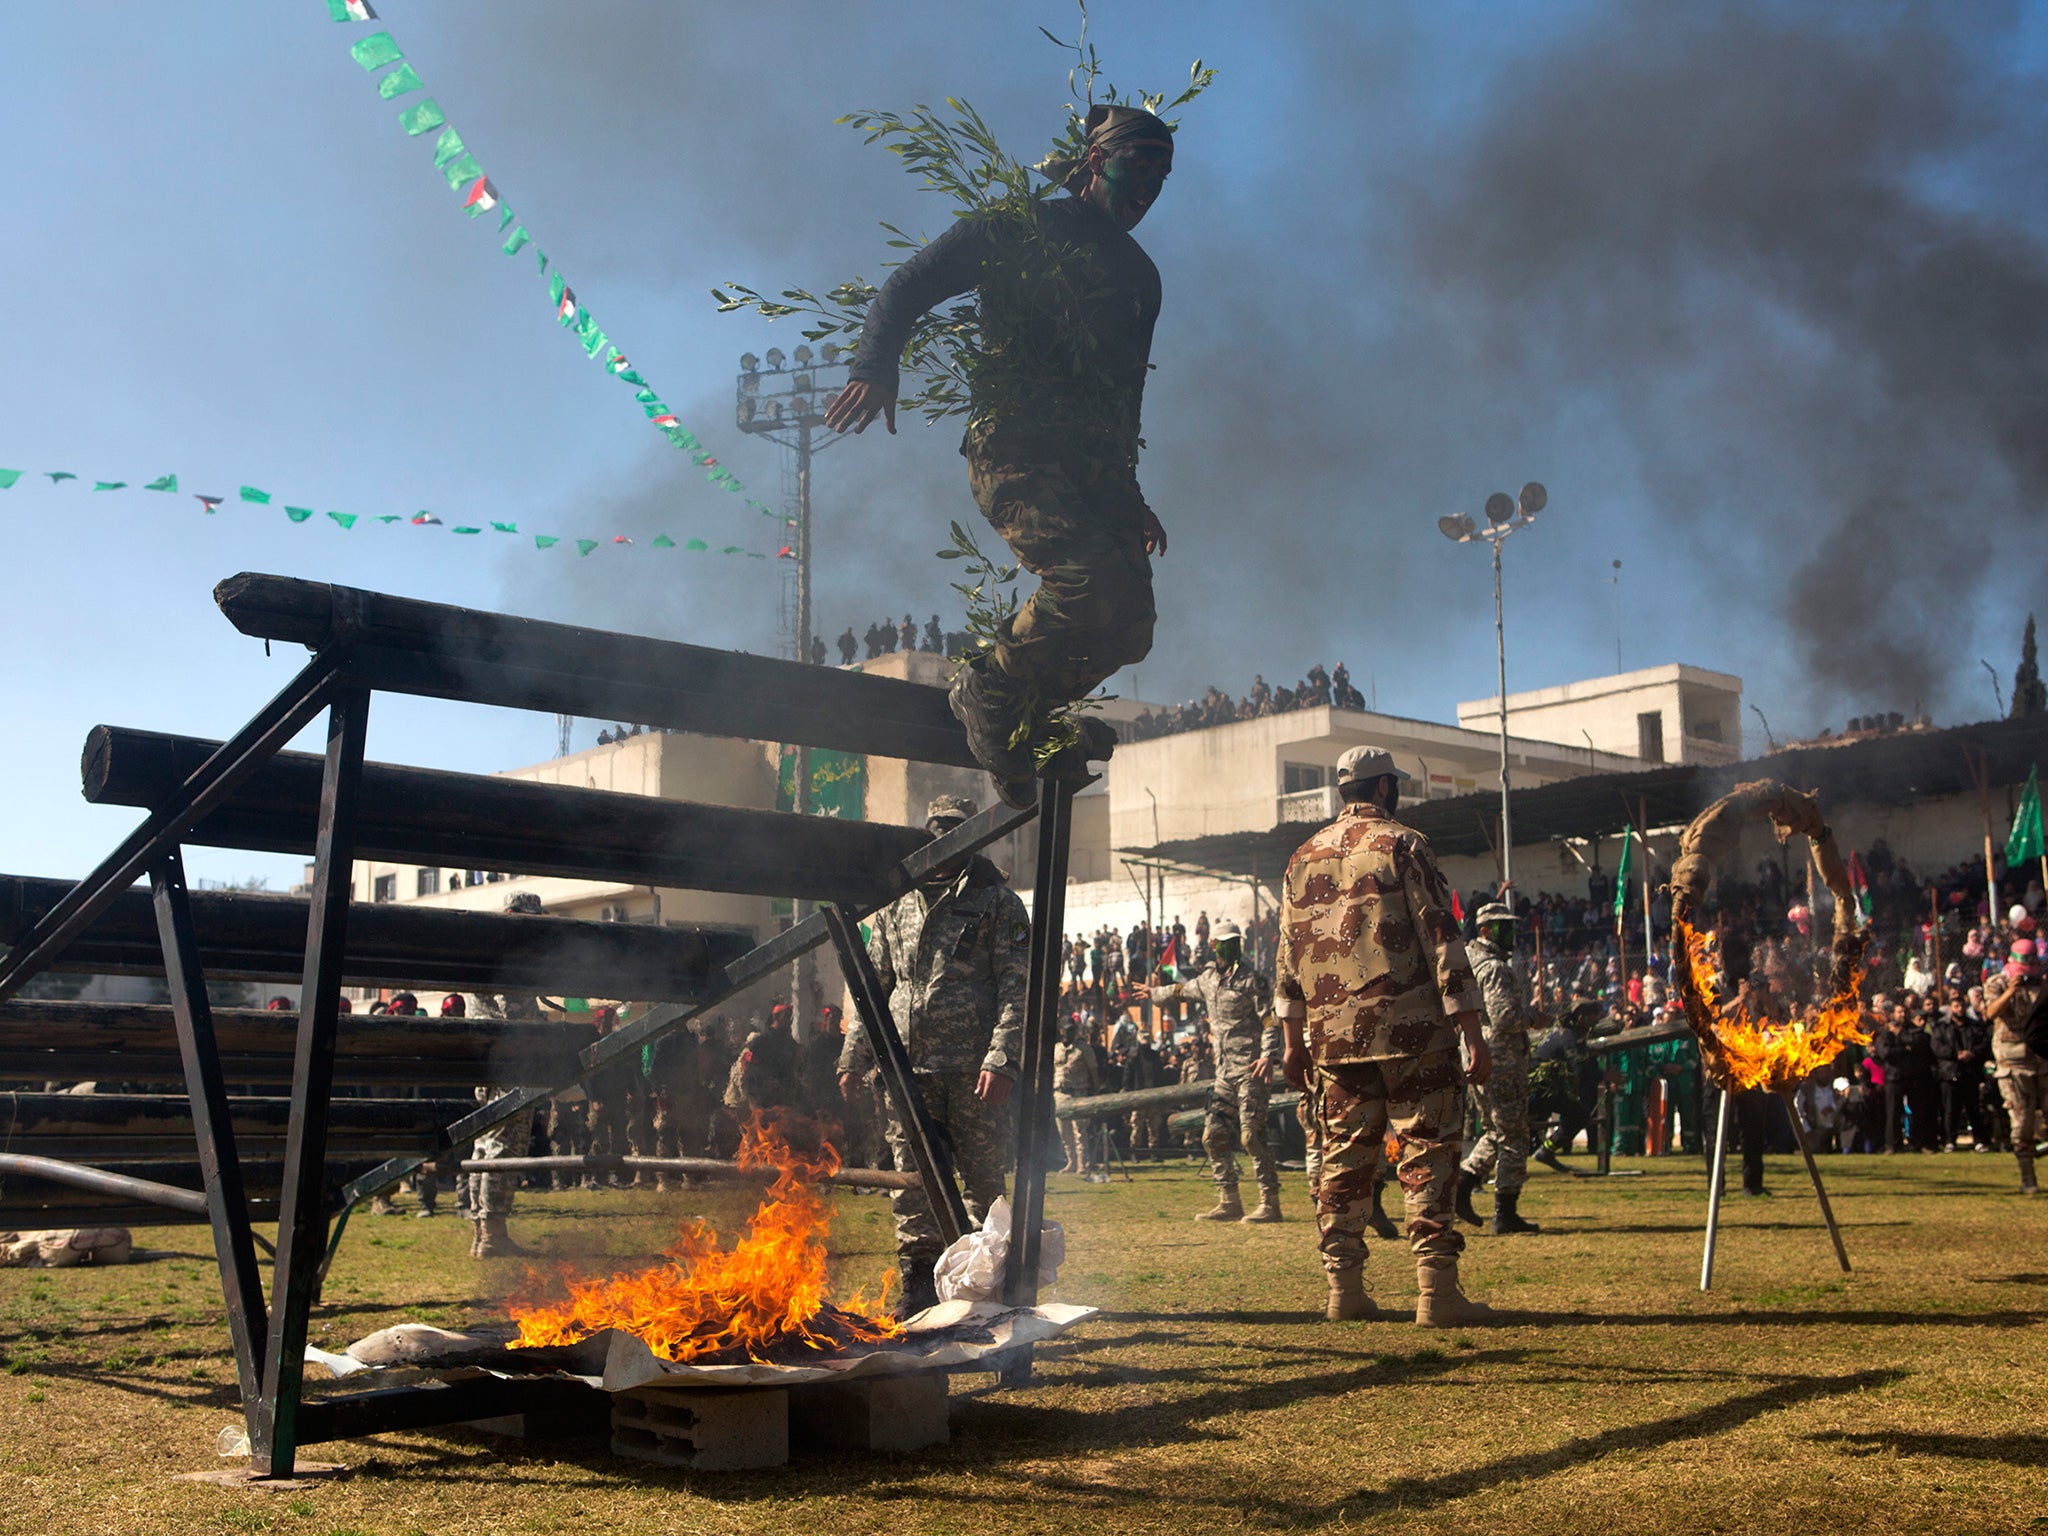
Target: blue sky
x,y
1702,282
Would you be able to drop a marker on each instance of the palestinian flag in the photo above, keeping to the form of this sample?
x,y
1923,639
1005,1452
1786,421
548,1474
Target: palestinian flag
x,y
619,364
565,310
482,198
621,539
351,10
1859,885
211,503
785,553
426,520
666,420
1457,907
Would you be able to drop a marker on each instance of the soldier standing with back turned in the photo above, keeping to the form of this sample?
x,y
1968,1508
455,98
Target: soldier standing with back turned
x,y
1374,993
952,956
1504,1102
1239,1002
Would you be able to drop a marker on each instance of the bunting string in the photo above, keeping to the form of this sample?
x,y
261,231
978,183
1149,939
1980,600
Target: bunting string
x,y
255,496
379,55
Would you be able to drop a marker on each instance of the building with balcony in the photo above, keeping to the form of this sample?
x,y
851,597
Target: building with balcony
x,y
1668,714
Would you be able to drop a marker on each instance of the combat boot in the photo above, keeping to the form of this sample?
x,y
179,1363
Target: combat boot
x,y
991,714
1349,1299
1228,1206
1548,1159
1268,1208
476,1239
494,1242
1468,1183
1441,1304
919,1289
1507,1221
2027,1184
1380,1223
380,1205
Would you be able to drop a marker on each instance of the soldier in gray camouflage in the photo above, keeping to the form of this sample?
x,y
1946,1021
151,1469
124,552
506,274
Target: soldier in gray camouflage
x,y
1503,1103
490,1194
1239,1003
952,956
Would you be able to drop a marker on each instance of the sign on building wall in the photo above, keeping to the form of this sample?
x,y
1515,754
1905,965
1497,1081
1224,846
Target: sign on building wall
x,y
839,783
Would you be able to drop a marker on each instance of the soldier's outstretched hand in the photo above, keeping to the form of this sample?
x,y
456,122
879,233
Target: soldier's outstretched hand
x,y
858,404
1155,534
849,1085
992,1088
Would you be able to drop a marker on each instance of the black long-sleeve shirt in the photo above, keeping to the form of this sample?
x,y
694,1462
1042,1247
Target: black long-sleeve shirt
x,y
1067,306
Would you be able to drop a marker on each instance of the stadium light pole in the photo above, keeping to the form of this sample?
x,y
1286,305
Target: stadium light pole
x,y
1503,517
785,403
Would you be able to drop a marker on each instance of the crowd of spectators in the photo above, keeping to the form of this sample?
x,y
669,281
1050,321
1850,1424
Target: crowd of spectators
x,y
885,637
1215,707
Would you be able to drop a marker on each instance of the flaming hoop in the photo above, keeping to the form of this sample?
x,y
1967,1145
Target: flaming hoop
x,y
1739,1050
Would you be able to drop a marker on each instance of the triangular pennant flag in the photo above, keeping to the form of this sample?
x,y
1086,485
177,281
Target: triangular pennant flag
x,y
611,355
399,81
482,197
518,238
646,396
110,485
505,219
298,514
785,553
565,307
545,541
211,503
732,549
666,420
619,365
422,117
250,493
593,340
351,10
631,377
346,519
375,51
426,520
541,256
8,477
391,517
448,149
621,539
662,541
696,544
462,168
58,476
585,546
506,527
164,483
465,530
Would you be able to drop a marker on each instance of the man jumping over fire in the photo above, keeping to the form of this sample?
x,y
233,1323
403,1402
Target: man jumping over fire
x,y
1067,304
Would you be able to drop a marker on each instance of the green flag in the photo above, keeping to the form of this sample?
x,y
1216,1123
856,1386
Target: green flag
x,y
298,514
422,117
545,540
2025,840
585,546
110,485
516,239
663,541
165,483
375,51
346,519
696,544
1621,876
250,493
399,81
8,477
465,530
506,527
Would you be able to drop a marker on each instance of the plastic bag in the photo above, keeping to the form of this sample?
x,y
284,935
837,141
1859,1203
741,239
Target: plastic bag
x,y
972,1268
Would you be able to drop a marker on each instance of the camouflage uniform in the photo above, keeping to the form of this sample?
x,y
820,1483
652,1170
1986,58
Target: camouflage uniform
x,y
1371,960
2022,1076
682,1104
954,963
490,1194
1504,1101
1073,1077
764,1076
568,1133
1239,1003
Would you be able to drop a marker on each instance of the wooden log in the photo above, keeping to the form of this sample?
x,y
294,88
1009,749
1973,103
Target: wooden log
x,y
696,1167
1194,1119
440,651
480,821
249,936
1171,1096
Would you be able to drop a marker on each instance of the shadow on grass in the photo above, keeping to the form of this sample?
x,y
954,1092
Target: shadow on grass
x,y
2013,1450
1729,1223
1846,1316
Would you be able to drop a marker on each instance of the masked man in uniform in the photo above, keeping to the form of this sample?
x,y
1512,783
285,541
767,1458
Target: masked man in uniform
x,y
953,958
490,1194
1239,1002
1374,993
1503,1150
1067,304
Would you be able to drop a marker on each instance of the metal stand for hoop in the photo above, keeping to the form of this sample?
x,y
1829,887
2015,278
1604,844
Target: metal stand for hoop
x,y
1718,1172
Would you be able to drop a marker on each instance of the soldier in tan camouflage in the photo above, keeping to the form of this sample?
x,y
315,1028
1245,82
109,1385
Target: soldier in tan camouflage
x,y
1239,1002
1503,1103
1374,993
952,956
2022,1074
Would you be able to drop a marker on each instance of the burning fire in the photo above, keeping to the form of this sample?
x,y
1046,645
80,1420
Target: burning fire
x,y
1742,1052
765,1294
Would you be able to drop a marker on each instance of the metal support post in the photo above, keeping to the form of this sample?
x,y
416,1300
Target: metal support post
x,y
929,1147
1715,1173
302,1218
1827,1211
1034,1084
227,1202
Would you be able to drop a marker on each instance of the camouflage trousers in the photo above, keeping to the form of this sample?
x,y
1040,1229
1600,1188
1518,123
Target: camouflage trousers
x,y
1076,1136
1075,519
1503,1146
1237,1117
490,1194
979,1135
1309,1112
568,1136
1418,1098
2026,1105
682,1123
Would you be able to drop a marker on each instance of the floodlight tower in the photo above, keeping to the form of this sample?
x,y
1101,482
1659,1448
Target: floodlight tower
x,y
1503,517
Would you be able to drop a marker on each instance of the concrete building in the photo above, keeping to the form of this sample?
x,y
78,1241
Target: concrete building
x,y
1668,714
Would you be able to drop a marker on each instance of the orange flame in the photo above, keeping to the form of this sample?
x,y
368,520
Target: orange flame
x,y
766,1293
1742,1052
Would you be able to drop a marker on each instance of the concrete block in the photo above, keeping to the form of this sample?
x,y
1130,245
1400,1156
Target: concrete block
x,y
733,1430
873,1413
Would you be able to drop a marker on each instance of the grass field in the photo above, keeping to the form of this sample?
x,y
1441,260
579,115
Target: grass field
x,y
1909,1396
